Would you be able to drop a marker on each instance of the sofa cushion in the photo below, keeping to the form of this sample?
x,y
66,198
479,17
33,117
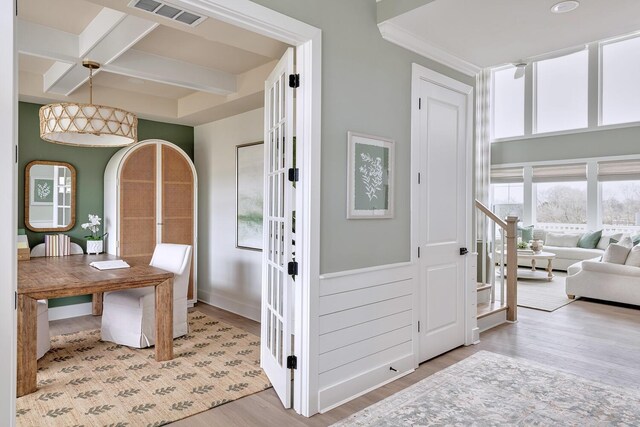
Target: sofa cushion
x,y
573,253
625,241
633,258
539,234
563,240
616,254
608,238
589,240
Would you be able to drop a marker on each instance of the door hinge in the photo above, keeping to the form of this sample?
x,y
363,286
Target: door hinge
x,y
294,174
418,326
418,177
418,251
16,150
292,268
292,362
419,103
15,300
294,80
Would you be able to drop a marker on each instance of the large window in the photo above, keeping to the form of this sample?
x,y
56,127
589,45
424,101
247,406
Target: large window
x,y
507,199
561,203
508,104
620,204
564,93
561,93
621,81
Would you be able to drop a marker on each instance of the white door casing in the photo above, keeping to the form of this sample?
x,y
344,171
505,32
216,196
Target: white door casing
x,y
442,210
277,328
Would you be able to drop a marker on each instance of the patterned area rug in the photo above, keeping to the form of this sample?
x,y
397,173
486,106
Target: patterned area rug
x,y
84,381
543,295
491,389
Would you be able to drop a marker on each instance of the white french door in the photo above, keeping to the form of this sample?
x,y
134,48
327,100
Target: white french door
x,y
277,284
443,222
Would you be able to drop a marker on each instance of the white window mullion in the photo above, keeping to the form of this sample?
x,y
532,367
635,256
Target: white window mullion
x,y
594,221
595,86
529,215
529,101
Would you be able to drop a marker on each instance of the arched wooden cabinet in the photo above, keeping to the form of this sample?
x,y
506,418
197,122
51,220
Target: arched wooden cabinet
x,y
150,196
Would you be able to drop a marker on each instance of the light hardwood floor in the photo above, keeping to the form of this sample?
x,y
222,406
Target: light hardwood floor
x,y
591,339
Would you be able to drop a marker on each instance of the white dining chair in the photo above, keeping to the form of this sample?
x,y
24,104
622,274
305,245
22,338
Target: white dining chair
x,y
128,316
43,340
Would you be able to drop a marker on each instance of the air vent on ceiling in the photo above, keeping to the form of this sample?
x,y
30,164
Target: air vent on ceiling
x,y
168,11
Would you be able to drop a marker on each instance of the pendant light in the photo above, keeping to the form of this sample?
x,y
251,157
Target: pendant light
x,y
88,125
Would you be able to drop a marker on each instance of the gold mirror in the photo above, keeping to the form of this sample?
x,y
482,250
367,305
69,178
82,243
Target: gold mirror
x,y
49,196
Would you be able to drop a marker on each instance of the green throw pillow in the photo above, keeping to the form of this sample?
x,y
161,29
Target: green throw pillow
x,y
526,233
635,239
590,240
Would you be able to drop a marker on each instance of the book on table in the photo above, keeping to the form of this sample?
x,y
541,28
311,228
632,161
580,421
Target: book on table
x,y
109,265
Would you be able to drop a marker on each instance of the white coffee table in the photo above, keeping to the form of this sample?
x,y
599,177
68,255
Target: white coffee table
x,y
535,257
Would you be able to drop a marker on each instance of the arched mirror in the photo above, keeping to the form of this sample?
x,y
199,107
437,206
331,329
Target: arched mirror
x,y
49,196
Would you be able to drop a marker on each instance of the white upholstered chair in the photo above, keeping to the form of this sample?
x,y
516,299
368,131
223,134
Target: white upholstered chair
x,y
128,317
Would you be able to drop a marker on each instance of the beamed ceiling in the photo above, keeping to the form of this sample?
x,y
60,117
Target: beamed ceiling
x,y
159,68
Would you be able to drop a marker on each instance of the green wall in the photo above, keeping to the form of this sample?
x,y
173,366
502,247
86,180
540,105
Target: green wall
x,y
89,162
601,143
366,87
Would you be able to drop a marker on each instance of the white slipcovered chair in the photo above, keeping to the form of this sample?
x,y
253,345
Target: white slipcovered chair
x,y
128,316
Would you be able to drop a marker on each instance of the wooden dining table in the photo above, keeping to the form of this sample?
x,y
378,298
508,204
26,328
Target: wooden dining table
x,y
56,277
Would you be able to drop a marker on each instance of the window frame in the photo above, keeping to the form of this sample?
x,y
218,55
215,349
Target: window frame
x,y
594,96
594,187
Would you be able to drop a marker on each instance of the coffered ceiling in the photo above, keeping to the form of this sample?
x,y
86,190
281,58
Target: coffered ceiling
x,y
157,67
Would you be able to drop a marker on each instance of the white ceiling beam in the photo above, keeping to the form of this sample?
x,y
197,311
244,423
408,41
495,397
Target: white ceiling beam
x,y
138,64
45,42
111,45
104,22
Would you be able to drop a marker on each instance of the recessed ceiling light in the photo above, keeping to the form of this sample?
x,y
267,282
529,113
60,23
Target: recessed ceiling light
x,y
565,6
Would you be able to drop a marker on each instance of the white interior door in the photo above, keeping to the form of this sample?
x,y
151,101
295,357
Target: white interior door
x,y
442,214
277,284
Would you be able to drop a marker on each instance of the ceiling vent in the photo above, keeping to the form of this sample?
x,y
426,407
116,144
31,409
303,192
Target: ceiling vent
x,y
168,11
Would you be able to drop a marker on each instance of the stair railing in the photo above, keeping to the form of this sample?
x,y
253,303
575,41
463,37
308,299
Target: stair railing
x,y
506,247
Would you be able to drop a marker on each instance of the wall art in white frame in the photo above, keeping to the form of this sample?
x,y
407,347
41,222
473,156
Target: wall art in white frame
x,y
370,172
249,195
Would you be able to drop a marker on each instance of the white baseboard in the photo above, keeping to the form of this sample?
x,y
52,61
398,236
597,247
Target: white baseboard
x,y
69,311
343,392
238,307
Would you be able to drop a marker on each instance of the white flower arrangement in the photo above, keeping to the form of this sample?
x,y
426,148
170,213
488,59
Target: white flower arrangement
x,y
94,227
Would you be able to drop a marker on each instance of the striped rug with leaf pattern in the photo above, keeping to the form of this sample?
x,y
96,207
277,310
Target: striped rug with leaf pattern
x,y
83,381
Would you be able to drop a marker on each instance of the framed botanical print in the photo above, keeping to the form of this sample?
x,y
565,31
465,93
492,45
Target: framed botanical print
x,y
370,176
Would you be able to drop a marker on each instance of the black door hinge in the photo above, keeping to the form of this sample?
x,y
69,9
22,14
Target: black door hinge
x,y
292,362
418,326
292,268
419,103
294,80
418,251
418,177
294,174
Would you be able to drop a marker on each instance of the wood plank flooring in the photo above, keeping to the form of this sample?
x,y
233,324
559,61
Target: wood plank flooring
x,y
591,339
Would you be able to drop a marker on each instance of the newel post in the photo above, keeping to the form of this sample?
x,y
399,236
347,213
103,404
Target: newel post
x,y
512,268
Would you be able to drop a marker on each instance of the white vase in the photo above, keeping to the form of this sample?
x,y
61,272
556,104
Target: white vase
x,y
94,247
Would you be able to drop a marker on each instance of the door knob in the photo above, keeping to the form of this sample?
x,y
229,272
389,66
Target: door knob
x,y
464,251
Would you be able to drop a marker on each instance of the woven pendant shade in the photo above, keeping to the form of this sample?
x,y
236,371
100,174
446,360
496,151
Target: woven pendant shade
x,y
88,125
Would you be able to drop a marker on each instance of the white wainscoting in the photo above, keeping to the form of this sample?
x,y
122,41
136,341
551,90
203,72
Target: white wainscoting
x,y
366,328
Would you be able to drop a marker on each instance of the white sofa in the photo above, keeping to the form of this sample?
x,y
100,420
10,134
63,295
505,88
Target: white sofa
x,y
566,255
605,281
